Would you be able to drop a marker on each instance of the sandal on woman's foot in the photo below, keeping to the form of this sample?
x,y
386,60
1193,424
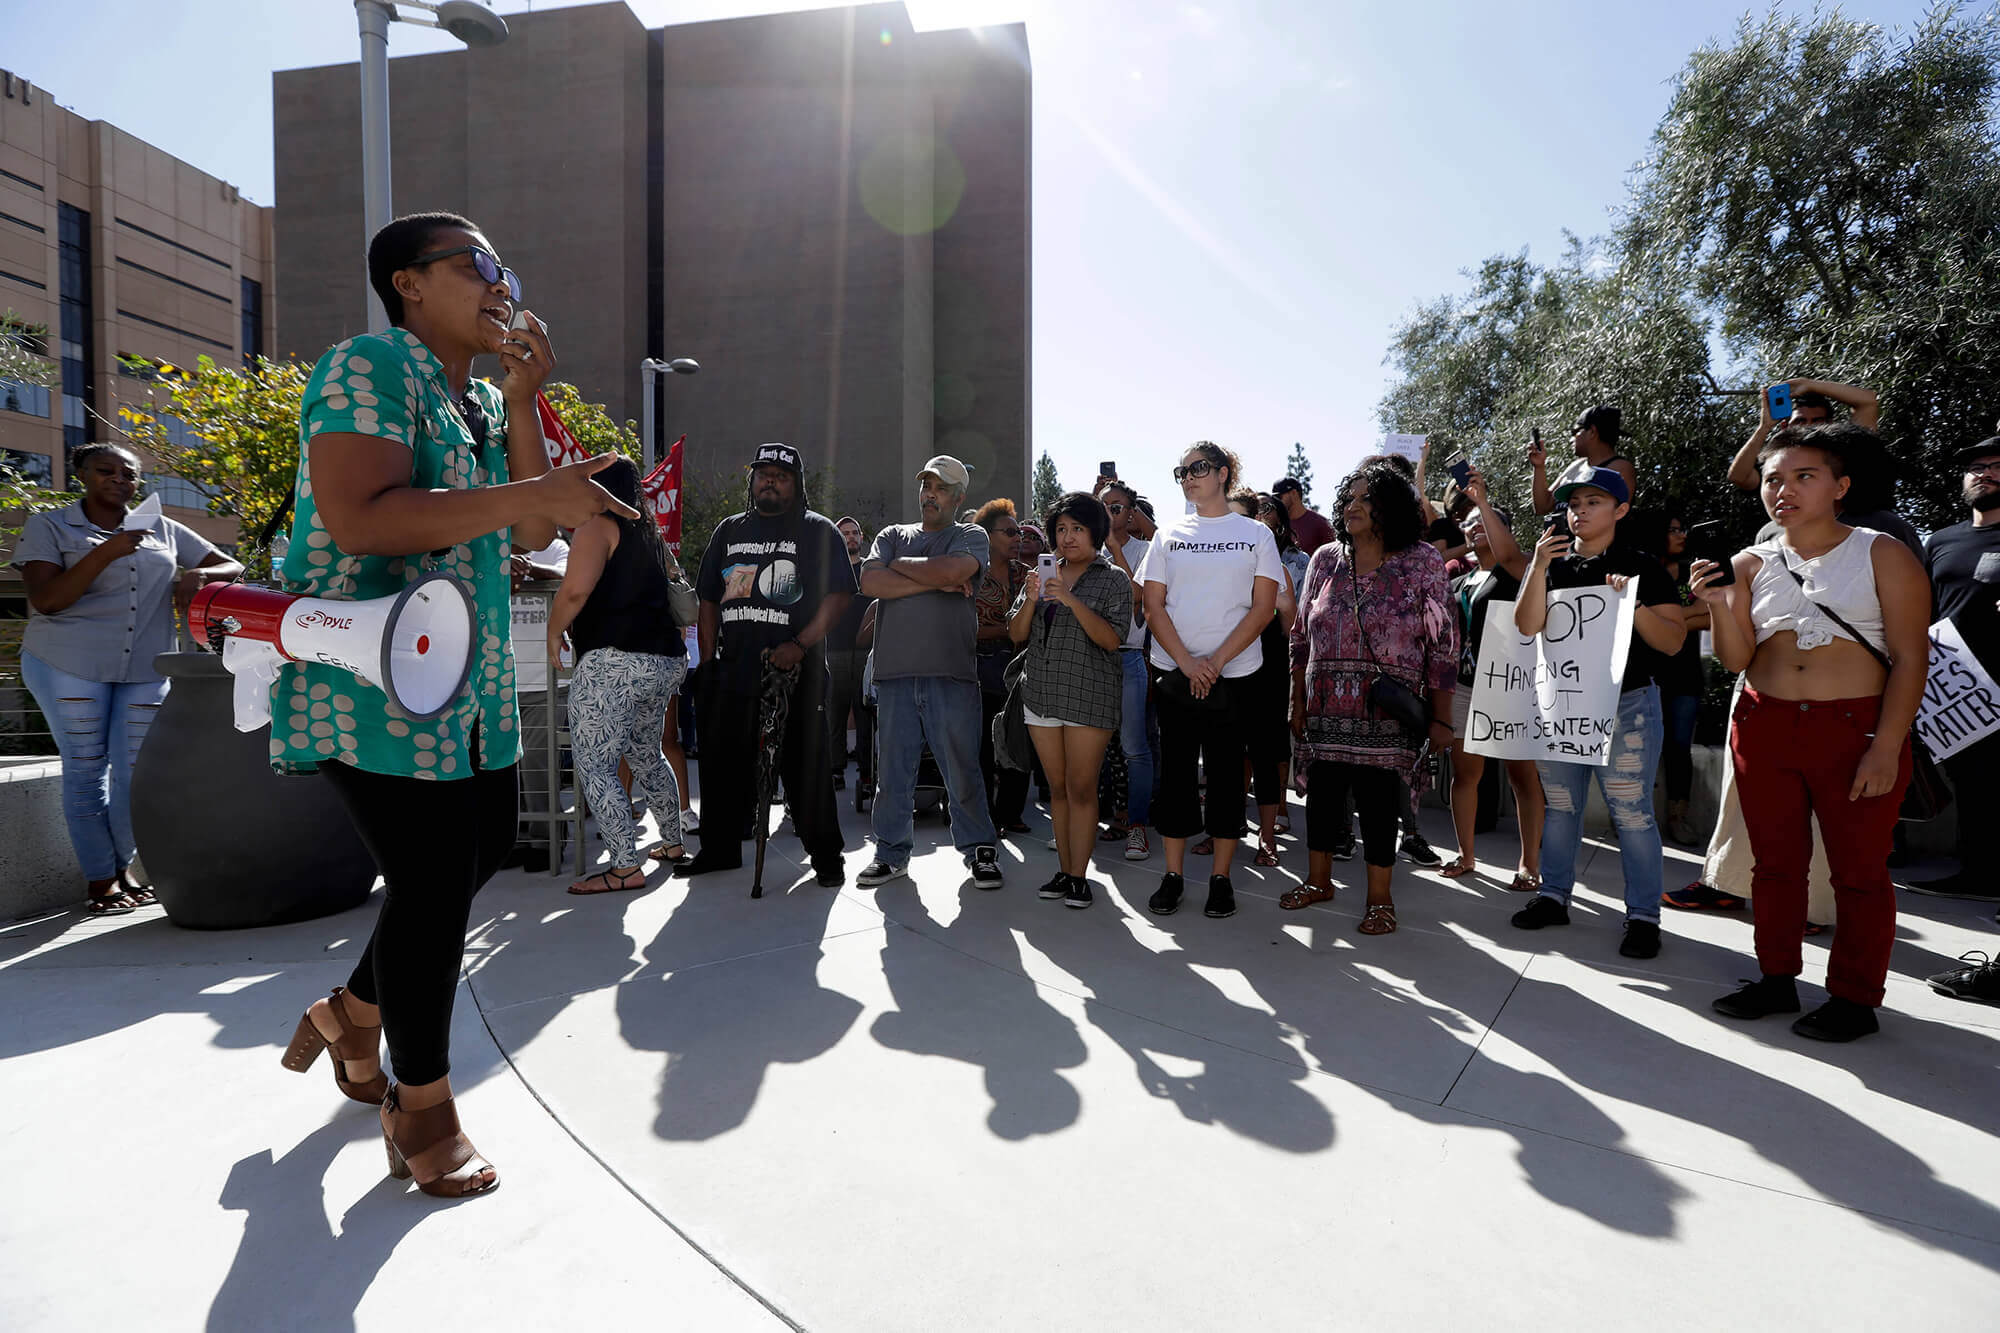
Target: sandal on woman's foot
x,y
1284,827
1698,897
609,881
353,1043
1525,883
1113,833
1379,919
1458,869
1267,852
1814,928
675,857
1206,847
111,902
429,1145
1305,895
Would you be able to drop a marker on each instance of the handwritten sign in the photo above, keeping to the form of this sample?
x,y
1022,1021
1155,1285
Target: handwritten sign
x,y
1553,696
1961,704
1409,446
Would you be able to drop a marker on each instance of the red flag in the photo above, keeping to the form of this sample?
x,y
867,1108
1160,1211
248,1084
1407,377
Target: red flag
x,y
663,492
562,445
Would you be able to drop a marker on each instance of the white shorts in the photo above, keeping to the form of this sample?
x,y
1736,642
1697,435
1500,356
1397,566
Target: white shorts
x,y
1034,719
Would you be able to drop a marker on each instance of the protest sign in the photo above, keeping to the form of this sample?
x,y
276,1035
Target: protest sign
x,y
1961,705
1554,695
1409,446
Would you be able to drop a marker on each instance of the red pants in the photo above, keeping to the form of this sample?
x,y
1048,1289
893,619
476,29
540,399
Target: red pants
x,y
1794,757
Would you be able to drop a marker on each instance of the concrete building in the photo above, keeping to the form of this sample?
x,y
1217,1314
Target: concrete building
x,y
828,210
112,249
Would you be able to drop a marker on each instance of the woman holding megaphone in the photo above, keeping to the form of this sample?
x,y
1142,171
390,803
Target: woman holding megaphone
x,y
409,465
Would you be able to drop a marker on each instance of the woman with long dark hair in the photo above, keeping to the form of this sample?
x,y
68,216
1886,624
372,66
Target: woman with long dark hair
x,y
631,657
1374,668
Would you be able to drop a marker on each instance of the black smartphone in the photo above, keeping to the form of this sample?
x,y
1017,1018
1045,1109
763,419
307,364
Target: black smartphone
x,y
1704,542
1460,468
1557,522
1538,437
1107,469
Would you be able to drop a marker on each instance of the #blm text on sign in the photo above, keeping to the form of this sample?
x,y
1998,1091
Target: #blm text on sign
x,y
1553,696
1960,704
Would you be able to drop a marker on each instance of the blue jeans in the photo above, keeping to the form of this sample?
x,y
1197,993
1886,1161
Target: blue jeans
x,y
1135,739
1627,784
945,713
98,728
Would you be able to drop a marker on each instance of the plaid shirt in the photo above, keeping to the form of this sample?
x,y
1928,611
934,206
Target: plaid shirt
x,y
1068,677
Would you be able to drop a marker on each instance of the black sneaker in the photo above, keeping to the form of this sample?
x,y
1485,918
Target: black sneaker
x,y
1760,998
1079,892
1343,849
1541,910
880,872
1960,885
701,863
830,874
986,867
1166,899
1838,1020
1057,887
1642,940
1221,897
1420,852
1979,982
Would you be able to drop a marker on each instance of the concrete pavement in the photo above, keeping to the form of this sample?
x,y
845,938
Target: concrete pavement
x,y
926,1106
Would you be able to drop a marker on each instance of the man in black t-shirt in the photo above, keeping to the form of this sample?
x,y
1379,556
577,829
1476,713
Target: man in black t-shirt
x,y
1963,561
774,579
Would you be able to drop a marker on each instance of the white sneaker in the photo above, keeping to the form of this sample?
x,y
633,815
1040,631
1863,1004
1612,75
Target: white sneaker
x,y
1136,846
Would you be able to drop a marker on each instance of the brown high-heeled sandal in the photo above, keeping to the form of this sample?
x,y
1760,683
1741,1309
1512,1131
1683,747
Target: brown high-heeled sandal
x,y
354,1043
429,1145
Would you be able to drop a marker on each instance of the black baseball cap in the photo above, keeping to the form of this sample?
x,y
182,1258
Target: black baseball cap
x,y
1287,484
778,455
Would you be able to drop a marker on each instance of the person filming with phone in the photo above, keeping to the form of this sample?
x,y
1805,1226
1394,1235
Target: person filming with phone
x,y
1830,625
1594,441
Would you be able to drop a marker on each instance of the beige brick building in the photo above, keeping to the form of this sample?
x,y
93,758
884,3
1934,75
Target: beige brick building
x,y
117,250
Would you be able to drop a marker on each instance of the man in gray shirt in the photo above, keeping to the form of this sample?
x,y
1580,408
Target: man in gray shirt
x,y
924,577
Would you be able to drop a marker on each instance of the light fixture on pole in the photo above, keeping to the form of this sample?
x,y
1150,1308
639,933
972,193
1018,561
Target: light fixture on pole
x,y
648,370
473,24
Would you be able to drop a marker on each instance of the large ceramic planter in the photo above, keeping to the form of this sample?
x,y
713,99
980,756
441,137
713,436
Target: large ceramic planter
x,y
229,843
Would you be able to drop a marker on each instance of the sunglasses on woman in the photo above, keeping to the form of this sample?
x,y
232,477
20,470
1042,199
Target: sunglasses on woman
x,y
1201,467
488,267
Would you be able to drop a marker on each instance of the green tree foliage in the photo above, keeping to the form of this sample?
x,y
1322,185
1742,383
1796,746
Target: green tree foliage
x,y
1832,191
1824,197
591,423
1048,488
24,349
1300,469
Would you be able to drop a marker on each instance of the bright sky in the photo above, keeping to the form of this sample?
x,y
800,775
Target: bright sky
x,y
1235,202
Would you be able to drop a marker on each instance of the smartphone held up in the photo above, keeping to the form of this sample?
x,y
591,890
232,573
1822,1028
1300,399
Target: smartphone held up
x,y
1046,565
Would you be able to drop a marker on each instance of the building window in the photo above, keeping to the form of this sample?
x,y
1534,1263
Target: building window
x,y
179,491
253,320
28,399
28,467
79,341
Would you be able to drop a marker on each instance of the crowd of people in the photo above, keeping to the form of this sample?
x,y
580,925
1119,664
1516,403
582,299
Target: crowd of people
x,y
1149,676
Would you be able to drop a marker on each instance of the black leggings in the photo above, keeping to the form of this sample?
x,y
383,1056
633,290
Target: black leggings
x,y
1377,794
1198,740
436,844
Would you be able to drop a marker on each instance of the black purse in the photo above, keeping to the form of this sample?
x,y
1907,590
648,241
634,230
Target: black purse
x,y
1928,794
1388,697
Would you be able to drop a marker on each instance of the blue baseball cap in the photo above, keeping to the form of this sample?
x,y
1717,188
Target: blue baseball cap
x,y
1582,474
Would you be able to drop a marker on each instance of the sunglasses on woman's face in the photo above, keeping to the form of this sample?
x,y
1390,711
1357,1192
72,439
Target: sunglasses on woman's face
x,y
1114,509
488,267
1201,467
1008,532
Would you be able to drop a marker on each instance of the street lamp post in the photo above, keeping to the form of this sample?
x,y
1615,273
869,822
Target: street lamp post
x,y
473,24
649,369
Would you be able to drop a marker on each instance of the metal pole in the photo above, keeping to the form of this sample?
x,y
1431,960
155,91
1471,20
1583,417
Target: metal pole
x,y
374,17
648,373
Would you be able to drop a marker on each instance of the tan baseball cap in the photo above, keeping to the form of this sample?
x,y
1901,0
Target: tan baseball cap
x,y
947,470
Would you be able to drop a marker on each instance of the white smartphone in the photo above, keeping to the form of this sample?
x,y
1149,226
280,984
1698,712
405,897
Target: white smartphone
x,y
1045,566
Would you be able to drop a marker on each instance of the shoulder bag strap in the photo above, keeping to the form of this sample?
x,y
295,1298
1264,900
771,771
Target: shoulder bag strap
x,y
1835,617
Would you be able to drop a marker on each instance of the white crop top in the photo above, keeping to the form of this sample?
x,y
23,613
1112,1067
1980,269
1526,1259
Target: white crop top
x,y
1841,580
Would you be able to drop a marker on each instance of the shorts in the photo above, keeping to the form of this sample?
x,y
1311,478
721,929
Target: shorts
x,y
1034,719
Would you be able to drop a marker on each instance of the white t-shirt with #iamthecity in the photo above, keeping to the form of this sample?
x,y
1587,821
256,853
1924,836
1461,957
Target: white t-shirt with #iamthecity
x,y
1210,567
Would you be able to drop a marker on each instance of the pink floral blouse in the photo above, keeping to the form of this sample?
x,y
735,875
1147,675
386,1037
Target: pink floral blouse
x,y
1412,637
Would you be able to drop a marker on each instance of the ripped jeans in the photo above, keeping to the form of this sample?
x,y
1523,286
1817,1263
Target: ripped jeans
x,y
98,728
1627,784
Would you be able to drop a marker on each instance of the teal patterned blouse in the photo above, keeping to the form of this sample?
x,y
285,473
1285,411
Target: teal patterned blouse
x,y
391,386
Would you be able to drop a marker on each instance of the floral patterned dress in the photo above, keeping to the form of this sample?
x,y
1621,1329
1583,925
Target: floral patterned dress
x,y
1412,637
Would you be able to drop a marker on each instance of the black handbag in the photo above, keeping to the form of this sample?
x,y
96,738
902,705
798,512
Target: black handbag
x,y
1389,697
1928,794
